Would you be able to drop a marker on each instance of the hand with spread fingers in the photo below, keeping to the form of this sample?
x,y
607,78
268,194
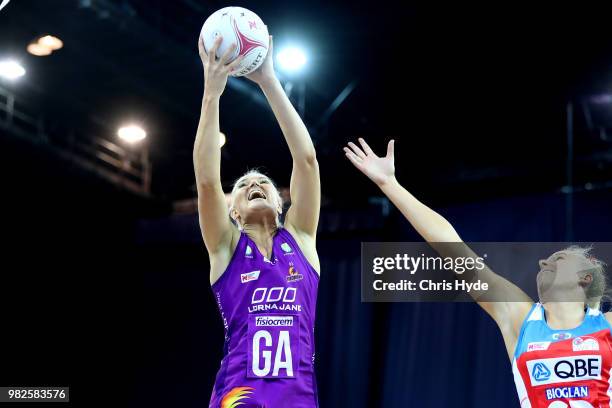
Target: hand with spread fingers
x,y
380,170
216,70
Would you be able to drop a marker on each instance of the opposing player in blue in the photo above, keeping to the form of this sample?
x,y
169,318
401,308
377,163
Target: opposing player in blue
x,y
561,346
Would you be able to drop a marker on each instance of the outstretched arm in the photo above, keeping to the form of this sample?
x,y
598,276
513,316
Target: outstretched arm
x,y
217,230
436,229
305,188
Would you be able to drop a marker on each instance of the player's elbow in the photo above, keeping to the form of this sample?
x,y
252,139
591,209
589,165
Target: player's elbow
x,y
206,183
310,159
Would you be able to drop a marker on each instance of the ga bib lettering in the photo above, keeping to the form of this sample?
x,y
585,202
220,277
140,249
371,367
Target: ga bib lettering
x,y
273,346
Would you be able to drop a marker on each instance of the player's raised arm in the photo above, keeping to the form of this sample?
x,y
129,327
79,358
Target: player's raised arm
x,y
213,214
436,229
303,216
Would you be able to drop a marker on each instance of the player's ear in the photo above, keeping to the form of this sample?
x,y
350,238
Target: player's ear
x,y
235,215
585,279
279,204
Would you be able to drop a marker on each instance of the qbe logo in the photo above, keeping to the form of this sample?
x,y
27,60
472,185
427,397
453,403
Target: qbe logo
x,y
564,369
540,372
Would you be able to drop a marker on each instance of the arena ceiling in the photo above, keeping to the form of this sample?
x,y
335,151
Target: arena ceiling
x,y
476,98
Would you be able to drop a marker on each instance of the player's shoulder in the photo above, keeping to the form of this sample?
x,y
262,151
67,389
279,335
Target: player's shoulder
x,y
608,317
220,259
300,237
307,244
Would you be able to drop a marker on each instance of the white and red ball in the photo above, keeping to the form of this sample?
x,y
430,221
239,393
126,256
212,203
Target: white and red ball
x,y
243,27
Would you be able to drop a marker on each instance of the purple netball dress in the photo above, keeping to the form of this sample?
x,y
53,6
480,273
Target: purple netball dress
x,y
268,310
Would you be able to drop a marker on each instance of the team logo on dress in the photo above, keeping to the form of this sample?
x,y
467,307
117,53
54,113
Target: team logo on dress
x,y
232,398
581,391
538,345
248,252
294,274
540,372
286,248
561,336
249,276
585,344
274,321
565,370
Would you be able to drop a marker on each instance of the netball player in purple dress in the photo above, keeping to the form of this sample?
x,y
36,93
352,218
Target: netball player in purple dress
x,y
264,275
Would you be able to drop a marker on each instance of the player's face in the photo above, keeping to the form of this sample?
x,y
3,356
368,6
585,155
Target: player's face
x,y
255,196
561,273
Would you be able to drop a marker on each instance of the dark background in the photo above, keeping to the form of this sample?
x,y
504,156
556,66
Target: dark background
x,y
106,290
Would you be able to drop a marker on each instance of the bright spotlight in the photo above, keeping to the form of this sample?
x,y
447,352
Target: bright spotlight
x,y
291,59
39,50
11,69
51,41
132,133
222,139
3,3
